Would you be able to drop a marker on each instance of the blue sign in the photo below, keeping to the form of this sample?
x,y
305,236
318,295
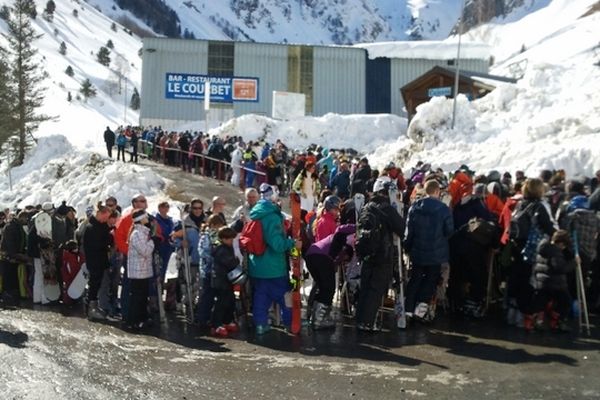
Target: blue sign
x,y
223,89
439,91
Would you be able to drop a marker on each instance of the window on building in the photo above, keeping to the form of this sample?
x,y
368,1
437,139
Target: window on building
x,y
450,62
220,58
300,73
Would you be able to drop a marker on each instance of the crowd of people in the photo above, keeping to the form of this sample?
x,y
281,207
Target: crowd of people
x,y
423,238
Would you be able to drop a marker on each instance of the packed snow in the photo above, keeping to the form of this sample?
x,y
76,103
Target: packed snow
x,y
363,133
55,171
428,50
549,119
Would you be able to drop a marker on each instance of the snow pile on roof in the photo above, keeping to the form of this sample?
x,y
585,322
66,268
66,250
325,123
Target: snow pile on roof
x,y
53,171
428,50
549,119
363,133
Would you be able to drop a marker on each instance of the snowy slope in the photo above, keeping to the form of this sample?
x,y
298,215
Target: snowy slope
x,y
83,123
549,119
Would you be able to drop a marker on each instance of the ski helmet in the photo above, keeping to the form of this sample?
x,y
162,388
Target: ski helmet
x,y
331,202
237,276
382,183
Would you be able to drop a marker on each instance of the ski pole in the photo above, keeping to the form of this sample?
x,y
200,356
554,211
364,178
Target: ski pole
x,y
581,298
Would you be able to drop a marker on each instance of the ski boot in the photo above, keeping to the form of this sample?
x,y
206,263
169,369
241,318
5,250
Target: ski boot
x,y
321,317
94,313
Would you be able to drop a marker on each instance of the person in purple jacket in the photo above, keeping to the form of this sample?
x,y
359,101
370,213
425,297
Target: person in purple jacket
x,y
320,260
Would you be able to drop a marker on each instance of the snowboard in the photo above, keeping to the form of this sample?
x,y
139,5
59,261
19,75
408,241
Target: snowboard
x,y
43,227
172,267
396,202
296,266
77,286
359,202
71,265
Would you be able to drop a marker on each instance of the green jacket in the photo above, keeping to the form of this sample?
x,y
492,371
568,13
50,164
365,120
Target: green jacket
x,y
273,263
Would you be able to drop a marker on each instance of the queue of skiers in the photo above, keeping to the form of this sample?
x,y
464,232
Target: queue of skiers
x,y
412,243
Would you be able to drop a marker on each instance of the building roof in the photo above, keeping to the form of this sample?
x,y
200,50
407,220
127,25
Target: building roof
x,y
425,49
479,79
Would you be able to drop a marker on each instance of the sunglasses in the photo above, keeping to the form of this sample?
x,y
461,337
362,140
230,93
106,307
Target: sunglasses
x,y
110,205
196,208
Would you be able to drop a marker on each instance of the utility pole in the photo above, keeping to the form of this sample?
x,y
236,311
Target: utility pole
x,y
206,102
457,66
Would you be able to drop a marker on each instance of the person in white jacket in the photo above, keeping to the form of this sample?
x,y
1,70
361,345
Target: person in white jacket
x,y
139,269
236,166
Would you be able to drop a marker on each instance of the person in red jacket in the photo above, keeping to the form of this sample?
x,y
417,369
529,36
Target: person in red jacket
x,y
326,223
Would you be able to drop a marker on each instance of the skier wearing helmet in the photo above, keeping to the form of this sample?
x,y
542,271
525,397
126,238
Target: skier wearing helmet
x,y
326,222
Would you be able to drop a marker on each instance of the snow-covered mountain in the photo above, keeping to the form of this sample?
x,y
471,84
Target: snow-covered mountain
x,y
296,21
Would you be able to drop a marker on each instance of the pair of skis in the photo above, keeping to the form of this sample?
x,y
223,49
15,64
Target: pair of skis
x,y
296,265
396,202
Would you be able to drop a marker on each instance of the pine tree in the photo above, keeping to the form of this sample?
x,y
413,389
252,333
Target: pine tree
x,y
110,44
7,106
69,97
113,26
49,10
134,104
75,13
87,89
69,71
27,75
103,56
63,48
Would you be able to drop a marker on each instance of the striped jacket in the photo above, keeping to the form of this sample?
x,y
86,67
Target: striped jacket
x,y
139,255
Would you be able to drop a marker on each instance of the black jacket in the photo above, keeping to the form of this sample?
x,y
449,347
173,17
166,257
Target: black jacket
x,y
96,242
14,240
551,267
359,181
109,137
224,260
393,224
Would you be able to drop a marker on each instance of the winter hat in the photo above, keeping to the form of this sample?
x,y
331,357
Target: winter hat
x,y
266,191
62,209
578,203
47,206
493,176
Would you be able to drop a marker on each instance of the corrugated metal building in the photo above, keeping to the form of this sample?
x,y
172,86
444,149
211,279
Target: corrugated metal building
x,y
338,79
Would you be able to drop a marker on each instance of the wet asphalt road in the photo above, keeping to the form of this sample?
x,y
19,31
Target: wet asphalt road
x,y
50,353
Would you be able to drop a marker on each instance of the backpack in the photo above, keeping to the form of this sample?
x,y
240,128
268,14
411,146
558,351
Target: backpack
x,y
483,232
251,238
369,232
520,223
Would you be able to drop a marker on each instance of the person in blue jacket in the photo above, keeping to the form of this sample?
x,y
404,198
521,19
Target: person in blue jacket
x,y
269,271
429,227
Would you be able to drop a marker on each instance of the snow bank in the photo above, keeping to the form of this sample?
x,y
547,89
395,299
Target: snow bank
x,y
428,50
363,133
549,119
54,171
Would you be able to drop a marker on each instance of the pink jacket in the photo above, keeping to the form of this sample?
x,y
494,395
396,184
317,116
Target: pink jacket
x,y
326,225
